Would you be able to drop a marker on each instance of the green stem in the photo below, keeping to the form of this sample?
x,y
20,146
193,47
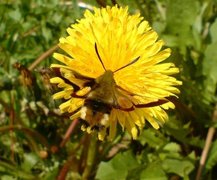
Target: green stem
x,y
90,158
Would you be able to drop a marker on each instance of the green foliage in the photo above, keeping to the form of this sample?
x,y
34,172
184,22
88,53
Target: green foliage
x,y
212,159
118,168
32,129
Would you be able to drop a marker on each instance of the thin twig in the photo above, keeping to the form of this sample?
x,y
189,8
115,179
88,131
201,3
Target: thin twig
x,y
71,161
66,167
206,148
69,132
42,57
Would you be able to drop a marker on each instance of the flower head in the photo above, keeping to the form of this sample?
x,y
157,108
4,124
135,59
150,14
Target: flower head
x,y
113,73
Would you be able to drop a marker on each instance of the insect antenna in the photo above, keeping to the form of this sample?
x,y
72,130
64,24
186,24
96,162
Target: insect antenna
x,y
132,62
97,52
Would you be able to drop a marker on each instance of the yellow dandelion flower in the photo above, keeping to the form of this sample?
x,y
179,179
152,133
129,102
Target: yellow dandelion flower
x,y
112,73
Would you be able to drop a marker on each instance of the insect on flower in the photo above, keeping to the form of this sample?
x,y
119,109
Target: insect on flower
x,y
114,73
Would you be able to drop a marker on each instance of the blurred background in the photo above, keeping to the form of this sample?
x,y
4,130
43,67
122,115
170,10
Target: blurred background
x,y
37,142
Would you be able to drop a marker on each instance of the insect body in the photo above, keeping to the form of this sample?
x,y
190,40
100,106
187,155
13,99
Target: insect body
x,y
104,95
98,103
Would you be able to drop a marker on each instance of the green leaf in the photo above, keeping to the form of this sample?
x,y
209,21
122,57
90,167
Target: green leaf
x,y
181,167
30,159
46,33
117,168
209,71
180,16
213,31
151,137
15,14
154,171
7,177
172,147
210,62
171,150
52,174
212,157
177,130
